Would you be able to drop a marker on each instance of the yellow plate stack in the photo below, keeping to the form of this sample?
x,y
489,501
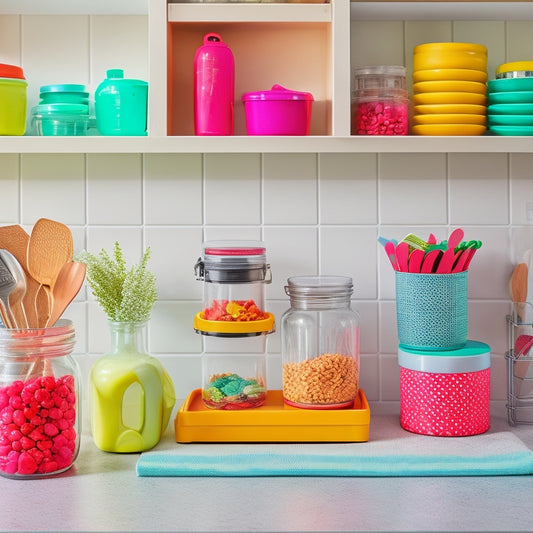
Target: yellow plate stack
x,y
449,89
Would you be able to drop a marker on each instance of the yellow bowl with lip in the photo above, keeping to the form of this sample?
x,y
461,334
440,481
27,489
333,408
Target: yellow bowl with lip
x,y
450,118
468,109
449,129
449,86
515,66
449,98
450,74
450,48
459,60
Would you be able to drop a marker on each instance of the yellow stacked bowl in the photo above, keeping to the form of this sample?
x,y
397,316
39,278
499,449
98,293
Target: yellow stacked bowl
x,y
449,89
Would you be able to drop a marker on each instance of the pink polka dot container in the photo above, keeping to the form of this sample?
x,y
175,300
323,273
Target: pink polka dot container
x,y
447,393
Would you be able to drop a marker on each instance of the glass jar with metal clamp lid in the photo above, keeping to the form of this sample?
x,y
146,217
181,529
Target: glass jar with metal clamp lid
x,y
234,274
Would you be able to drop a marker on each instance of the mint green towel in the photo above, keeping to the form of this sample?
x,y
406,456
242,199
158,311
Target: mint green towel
x,y
391,451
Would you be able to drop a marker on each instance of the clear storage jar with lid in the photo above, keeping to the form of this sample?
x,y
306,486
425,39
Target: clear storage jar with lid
x,y
39,401
234,322
380,103
320,343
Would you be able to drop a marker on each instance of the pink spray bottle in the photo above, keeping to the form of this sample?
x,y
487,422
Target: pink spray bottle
x,y
214,87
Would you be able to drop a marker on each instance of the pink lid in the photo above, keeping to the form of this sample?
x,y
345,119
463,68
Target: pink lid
x,y
11,71
234,251
276,93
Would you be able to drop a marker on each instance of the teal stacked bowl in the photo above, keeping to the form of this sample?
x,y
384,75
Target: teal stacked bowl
x,y
63,110
510,103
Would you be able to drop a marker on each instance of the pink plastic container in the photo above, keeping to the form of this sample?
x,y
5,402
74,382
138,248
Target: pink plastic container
x,y
214,87
445,393
279,111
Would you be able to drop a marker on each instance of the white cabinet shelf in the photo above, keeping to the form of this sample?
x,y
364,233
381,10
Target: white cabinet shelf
x,y
253,144
302,46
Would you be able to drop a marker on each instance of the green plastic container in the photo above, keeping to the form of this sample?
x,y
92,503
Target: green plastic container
x,y
13,100
121,105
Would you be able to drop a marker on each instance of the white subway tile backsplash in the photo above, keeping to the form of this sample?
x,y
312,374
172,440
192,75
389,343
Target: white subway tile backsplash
x,y
472,175
412,188
232,189
387,33
349,251
173,189
9,182
174,253
10,39
521,171
292,251
53,187
290,189
114,189
348,188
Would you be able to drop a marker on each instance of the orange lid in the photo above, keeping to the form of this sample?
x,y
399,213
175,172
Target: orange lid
x,y
11,71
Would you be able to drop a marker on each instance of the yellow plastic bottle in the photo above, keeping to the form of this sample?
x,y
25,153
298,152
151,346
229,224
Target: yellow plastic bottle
x,y
131,394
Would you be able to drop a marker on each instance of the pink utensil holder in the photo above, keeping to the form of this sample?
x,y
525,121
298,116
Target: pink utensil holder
x,y
214,87
446,393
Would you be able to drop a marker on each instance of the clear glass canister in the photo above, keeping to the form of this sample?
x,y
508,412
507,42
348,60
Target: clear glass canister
x,y
320,343
380,103
234,275
39,401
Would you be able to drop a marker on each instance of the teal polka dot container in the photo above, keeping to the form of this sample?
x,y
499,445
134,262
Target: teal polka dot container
x,y
432,310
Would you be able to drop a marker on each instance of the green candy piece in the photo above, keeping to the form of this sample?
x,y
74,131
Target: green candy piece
x,y
216,395
234,387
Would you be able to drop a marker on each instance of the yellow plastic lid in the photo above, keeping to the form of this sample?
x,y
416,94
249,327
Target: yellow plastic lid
x,y
515,66
449,74
450,118
223,328
440,86
449,98
450,47
470,109
449,129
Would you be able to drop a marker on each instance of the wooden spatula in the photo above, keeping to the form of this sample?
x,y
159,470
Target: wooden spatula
x,y
49,248
15,239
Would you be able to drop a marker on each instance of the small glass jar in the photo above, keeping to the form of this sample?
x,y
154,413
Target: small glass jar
x,y
234,275
380,103
39,401
320,343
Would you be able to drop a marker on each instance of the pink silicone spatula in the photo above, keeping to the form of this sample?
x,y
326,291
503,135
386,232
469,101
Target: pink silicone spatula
x,y
402,256
448,258
390,251
430,260
415,261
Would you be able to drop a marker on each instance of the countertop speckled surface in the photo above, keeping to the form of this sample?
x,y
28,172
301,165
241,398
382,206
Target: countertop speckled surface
x,y
102,493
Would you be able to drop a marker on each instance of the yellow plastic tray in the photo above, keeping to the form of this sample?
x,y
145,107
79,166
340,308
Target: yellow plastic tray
x,y
272,422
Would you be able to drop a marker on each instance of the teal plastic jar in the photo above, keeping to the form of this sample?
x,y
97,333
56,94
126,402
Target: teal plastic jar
x,y
13,100
60,119
121,105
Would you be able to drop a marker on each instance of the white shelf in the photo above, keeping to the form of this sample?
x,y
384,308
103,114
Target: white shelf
x,y
257,144
431,10
73,7
235,12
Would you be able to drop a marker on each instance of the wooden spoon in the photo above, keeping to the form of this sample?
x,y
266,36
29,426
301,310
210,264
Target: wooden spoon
x,y
49,248
67,285
15,239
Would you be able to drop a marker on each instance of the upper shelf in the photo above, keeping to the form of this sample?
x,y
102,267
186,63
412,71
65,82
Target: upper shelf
x,y
73,7
435,10
258,144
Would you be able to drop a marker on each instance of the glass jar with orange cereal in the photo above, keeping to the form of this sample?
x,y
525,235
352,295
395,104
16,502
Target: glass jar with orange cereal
x,y
320,343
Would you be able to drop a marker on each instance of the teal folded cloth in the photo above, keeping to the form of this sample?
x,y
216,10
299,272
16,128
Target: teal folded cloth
x,y
390,451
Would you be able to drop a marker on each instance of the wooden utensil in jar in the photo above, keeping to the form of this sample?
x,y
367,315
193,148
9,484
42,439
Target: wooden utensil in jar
x,y
67,285
49,248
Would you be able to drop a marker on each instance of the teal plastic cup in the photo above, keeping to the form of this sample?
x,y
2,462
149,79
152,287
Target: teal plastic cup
x,y
121,105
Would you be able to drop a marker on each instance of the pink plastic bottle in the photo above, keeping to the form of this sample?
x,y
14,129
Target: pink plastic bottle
x,y
214,87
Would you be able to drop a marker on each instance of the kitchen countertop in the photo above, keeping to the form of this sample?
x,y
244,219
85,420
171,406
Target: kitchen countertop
x,y
102,492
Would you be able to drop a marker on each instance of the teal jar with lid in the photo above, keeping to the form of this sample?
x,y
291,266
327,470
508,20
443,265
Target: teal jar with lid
x,y
121,105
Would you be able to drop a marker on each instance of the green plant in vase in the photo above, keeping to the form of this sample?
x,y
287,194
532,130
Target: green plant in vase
x,y
131,394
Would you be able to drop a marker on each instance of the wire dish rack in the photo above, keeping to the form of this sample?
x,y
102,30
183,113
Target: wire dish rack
x,y
519,365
